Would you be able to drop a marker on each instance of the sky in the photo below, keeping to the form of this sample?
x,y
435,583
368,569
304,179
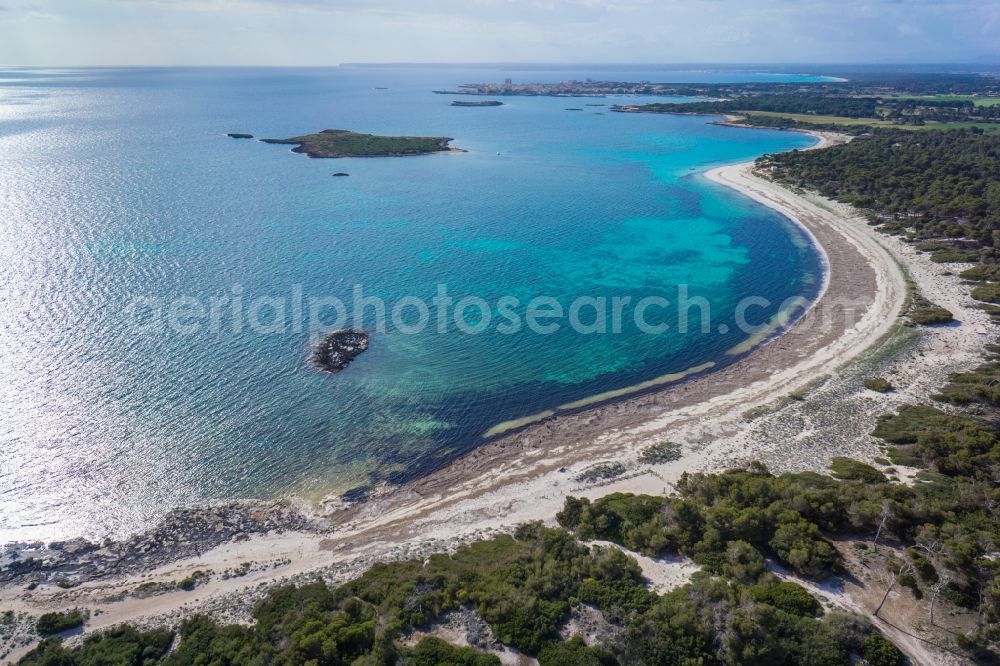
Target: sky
x,y
331,32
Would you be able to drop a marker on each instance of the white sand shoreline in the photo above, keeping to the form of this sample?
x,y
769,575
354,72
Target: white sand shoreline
x,y
527,476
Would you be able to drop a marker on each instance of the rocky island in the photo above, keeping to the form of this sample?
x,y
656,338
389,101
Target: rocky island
x,y
239,135
485,102
336,351
345,143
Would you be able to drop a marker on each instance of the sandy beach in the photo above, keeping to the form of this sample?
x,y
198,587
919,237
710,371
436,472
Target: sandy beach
x,y
794,402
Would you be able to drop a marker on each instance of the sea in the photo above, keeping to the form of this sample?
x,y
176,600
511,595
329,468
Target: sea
x,y
162,285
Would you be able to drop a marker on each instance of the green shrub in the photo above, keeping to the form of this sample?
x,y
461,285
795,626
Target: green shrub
x,y
925,569
121,646
432,651
879,384
955,255
789,597
877,651
930,315
188,583
742,562
600,472
663,452
951,444
574,652
53,623
854,470
799,543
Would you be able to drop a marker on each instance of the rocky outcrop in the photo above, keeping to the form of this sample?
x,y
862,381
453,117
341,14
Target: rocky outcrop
x,y
182,533
336,351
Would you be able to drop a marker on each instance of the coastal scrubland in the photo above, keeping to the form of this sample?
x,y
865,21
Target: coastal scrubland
x,y
941,192
526,586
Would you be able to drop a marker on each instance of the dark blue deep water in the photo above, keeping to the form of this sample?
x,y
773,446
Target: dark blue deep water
x,y
125,212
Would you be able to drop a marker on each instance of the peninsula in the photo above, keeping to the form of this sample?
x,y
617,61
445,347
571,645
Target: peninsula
x,y
345,143
586,88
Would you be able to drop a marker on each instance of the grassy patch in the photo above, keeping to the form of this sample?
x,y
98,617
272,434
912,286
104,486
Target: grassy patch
x,y
982,273
821,120
976,101
989,293
988,128
979,385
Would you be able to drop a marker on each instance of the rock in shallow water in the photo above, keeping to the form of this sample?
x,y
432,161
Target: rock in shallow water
x,y
336,351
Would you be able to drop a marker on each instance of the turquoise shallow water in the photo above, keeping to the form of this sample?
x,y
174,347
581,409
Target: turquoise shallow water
x,y
119,186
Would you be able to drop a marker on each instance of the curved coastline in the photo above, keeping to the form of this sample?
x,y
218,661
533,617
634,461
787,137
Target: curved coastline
x,y
778,325
863,293
525,475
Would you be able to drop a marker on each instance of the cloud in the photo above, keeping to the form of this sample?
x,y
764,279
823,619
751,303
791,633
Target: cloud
x,y
26,13
331,31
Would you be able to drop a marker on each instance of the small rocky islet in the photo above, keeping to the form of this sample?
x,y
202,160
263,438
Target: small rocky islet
x,y
338,348
239,135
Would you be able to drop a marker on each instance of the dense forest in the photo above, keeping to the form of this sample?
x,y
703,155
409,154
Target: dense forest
x,y
928,184
847,107
847,100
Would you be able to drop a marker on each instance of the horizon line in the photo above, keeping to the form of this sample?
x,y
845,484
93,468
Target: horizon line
x,y
567,64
